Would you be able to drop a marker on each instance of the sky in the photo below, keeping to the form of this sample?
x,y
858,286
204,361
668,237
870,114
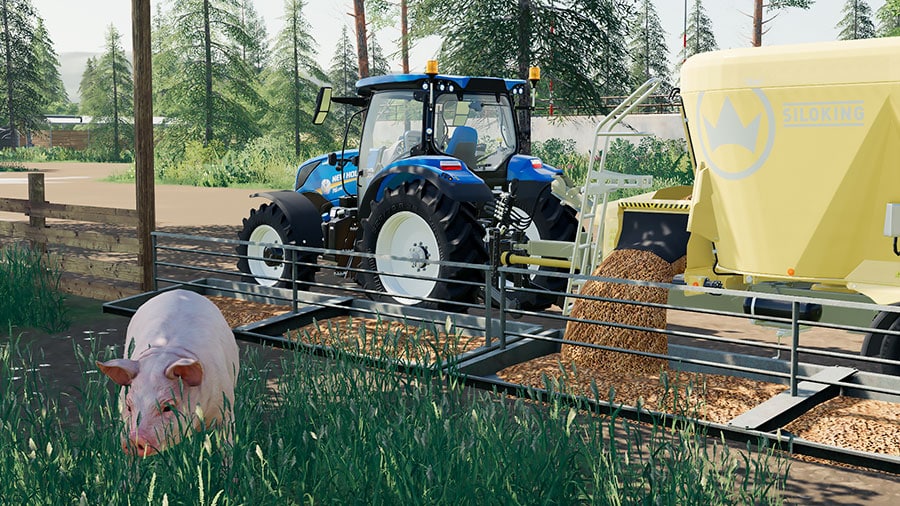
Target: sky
x,y
80,25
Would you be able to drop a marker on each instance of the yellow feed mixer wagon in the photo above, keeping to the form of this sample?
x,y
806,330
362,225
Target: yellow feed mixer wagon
x,y
796,152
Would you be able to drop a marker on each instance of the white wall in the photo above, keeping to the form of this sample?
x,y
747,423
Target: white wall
x,y
582,128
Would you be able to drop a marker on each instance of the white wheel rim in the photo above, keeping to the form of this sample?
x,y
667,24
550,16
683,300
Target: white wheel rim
x,y
260,269
407,235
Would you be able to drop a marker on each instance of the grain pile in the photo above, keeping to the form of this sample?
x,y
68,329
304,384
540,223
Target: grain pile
x,y
239,312
716,398
391,338
861,424
626,264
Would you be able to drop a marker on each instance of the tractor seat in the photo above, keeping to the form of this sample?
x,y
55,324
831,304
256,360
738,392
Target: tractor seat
x,y
462,145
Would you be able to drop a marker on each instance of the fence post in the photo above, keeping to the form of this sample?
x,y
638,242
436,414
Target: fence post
x,y
795,343
36,199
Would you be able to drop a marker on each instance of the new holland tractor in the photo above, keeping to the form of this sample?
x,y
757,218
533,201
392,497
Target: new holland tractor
x,y
439,162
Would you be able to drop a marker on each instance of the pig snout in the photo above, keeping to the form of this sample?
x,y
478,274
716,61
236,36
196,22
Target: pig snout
x,y
139,447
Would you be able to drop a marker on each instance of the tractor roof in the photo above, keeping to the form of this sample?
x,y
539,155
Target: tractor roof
x,y
370,85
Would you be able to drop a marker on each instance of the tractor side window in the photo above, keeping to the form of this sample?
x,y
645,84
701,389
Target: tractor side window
x,y
477,128
393,127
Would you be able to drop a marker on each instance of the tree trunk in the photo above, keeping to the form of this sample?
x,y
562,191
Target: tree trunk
x,y
207,46
296,84
404,36
524,62
9,78
362,50
757,23
115,84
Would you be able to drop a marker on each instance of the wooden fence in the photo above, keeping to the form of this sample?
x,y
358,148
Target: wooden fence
x,y
96,249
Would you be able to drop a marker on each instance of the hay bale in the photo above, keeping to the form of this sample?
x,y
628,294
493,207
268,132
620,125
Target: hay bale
x,y
627,264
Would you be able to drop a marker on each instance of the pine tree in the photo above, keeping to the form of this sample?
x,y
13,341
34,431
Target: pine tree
x,y
771,6
22,97
254,47
648,47
344,72
208,90
290,82
857,21
580,45
379,65
889,19
107,94
700,37
53,89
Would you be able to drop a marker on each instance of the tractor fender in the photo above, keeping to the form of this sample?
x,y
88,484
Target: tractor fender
x,y
304,216
461,186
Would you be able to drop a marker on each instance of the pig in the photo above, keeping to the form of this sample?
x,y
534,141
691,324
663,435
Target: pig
x,y
178,374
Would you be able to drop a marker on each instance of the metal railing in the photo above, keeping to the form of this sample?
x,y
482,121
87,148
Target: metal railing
x,y
518,334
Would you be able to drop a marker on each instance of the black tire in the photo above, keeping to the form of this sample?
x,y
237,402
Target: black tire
x,y
419,215
269,224
554,222
884,345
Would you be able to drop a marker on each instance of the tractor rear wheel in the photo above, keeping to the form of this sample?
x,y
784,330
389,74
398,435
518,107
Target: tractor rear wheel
x,y
551,221
269,264
885,346
418,221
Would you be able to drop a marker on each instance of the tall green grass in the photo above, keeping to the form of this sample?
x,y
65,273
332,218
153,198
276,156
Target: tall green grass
x,y
30,294
327,430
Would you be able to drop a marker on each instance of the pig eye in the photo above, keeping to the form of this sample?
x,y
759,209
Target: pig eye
x,y
167,407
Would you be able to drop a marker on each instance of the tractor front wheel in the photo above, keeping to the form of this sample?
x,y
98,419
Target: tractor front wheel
x,y
417,222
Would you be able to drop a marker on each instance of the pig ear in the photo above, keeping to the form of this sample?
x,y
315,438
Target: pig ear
x,y
188,369
120,370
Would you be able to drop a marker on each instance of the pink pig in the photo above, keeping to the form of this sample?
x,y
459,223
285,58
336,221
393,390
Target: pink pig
x,y
184,359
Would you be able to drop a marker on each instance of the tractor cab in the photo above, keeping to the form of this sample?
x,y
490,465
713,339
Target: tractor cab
x,y
468,119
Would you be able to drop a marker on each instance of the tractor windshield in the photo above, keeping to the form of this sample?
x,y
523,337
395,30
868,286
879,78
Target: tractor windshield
x,y
393,127
477,128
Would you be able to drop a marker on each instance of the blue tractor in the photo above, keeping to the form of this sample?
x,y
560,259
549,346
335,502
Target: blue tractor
x,y
437,156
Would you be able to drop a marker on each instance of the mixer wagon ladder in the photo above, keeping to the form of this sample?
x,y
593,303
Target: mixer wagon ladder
x,y
591,200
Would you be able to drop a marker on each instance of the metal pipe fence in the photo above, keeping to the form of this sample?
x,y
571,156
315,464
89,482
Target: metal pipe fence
x,y
814,372
179,258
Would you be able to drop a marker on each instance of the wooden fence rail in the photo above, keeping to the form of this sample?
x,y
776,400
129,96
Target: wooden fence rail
x,y
100,263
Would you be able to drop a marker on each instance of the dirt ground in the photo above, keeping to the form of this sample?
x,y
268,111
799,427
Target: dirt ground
x,y
218,212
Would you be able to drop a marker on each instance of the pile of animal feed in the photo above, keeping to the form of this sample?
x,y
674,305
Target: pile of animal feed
x,y
625,264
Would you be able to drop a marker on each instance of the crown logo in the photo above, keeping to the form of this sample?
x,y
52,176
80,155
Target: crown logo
x,y
730,130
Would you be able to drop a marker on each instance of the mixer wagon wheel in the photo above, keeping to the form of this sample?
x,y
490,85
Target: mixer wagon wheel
x,y
260,262
885,346
551,221
418,221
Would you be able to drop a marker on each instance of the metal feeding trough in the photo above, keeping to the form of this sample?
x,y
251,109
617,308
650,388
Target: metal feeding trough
x,y
509,342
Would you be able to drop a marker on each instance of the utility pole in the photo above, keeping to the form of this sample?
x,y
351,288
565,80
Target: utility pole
x,y
143,137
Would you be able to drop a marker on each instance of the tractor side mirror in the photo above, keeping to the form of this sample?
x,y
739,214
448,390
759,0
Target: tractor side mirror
x,y
323,105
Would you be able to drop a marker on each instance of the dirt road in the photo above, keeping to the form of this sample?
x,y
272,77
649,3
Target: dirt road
x,y
82,184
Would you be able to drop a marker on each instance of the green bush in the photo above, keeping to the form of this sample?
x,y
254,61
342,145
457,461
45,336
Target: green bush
x,y
30,294
666,160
